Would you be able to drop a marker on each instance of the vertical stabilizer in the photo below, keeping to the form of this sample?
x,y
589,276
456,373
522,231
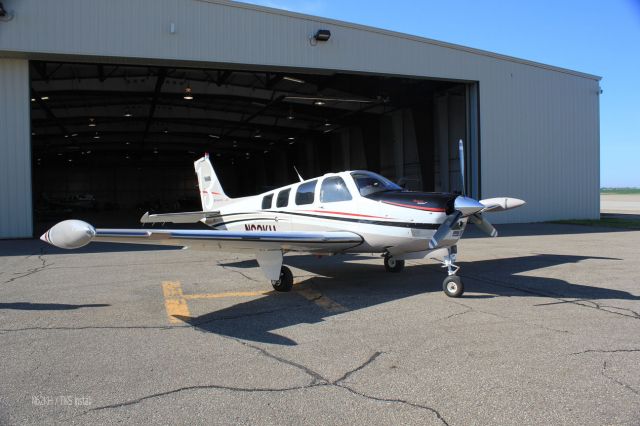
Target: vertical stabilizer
x,y
211,191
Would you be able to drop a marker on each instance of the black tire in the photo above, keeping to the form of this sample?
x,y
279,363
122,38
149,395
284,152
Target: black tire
x,y
285,283
452,286
393,265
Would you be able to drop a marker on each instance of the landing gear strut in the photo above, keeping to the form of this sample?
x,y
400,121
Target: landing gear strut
x,y
452,285
285,282
391,264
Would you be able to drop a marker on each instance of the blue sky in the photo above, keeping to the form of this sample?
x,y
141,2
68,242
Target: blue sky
x,y
596,37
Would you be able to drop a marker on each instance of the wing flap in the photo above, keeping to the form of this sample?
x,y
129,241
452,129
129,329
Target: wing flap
x,y
186,217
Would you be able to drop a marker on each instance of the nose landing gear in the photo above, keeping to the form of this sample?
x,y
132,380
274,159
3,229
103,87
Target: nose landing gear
x,y
452,285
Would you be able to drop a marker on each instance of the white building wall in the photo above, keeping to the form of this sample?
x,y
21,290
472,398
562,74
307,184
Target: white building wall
x,y
539,127
15,150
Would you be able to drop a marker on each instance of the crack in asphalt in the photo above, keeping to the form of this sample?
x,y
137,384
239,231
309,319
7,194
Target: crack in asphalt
x,y
469,309
605,351
44,264
346,375
603,371
600,307
317,381
531,324
227,268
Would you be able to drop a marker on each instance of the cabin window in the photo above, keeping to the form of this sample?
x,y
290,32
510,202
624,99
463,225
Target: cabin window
x,y
334,189
283,198
305,193
266,201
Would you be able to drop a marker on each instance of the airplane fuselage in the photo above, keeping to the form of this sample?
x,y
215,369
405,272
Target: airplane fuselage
x,y
388,220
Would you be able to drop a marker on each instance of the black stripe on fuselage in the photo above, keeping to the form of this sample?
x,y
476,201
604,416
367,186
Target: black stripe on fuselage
x,y
412,225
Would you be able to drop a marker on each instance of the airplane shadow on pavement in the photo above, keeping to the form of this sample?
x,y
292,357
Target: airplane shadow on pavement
x,y
28,306
356,286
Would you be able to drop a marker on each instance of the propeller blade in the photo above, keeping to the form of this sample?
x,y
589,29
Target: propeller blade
x,y
501,204
443,230
461,151
484,225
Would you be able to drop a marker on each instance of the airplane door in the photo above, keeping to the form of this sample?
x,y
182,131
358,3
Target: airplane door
x,y
336,201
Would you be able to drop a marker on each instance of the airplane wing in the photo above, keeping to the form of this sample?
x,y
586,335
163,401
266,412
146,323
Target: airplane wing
x,y
72,234
188,217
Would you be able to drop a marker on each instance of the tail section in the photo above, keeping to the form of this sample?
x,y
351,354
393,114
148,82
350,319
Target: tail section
x,y
211,191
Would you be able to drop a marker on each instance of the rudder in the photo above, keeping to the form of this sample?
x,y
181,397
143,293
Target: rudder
x,y
211,191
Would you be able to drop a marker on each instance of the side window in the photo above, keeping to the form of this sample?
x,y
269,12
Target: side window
x,y
306,192
283,198
334,189
266,201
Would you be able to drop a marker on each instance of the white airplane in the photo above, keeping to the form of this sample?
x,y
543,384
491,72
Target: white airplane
x,y
347,212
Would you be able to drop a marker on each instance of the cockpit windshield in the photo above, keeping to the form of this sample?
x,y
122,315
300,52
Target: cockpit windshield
x,y
369,183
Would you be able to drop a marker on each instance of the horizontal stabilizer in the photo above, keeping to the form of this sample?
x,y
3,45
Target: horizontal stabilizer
x,y
187,217
501,204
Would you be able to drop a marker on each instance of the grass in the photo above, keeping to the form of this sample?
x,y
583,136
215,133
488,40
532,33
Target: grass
x,y
620,191
607,222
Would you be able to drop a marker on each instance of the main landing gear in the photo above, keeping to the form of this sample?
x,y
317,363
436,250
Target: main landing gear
x,y
391,264
452,285
285,282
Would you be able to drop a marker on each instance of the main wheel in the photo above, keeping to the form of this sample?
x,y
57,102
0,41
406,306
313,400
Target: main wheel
x,y
452,286
285,283
391,264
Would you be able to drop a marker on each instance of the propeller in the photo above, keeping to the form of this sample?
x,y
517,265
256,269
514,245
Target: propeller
x,y
467,207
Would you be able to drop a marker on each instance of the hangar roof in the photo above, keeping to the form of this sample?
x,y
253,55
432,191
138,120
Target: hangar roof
x,y
397,34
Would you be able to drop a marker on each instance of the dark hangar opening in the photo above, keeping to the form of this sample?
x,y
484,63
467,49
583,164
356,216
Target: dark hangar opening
x,y
110,141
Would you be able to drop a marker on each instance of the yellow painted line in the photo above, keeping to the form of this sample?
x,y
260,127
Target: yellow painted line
x,y
174,302
323,301
227,294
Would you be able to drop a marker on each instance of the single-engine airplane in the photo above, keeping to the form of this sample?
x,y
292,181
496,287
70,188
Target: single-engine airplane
x,y
347,212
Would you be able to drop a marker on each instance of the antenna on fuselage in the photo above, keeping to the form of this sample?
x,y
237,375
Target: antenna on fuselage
x,y
298,173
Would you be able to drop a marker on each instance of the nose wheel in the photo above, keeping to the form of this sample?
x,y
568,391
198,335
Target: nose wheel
x,y
452,285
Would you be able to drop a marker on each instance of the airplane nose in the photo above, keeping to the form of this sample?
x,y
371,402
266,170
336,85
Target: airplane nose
x,y
467,206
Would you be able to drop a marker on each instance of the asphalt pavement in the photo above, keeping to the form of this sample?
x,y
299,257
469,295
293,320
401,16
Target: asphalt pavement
x,y
548,332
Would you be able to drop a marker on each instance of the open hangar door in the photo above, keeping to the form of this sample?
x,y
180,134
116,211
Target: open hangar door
x,y
111,141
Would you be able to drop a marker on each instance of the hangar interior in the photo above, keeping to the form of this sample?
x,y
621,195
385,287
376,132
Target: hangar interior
x,y
110,138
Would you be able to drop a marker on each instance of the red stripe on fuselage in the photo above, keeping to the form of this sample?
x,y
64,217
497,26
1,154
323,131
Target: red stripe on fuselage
x,y
410,206
345,213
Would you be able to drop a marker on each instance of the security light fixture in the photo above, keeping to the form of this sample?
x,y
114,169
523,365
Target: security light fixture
x,y
127,113
188,94
290,116
257,134
319,102
322,35
92,122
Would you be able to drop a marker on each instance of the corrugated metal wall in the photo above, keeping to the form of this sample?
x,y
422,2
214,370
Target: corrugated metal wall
x,y
539,127
15,150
